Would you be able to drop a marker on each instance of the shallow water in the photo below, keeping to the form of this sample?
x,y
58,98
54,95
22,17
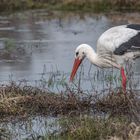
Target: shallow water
x,y
31,128
50,39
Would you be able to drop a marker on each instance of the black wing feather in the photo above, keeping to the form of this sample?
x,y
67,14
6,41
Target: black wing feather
x,y
132,45
134,26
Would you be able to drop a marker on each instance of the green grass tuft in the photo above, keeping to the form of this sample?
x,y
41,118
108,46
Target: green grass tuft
x,y
95,128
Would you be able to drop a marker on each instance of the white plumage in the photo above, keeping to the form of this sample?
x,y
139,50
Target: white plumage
x,y
114,37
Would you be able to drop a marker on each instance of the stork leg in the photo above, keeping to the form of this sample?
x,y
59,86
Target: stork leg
x,y
123,79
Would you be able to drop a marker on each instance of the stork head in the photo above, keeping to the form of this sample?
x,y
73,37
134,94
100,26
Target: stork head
x,y
80,54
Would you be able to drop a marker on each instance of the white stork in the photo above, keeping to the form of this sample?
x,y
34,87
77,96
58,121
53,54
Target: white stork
x,y
114,47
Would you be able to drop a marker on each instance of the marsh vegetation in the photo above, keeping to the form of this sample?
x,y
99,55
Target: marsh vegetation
x,y
36,99
80,115
79,5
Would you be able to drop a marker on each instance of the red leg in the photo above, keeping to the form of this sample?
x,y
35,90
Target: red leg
x,y
123,79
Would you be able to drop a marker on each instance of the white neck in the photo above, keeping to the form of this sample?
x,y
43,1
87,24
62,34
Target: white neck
x,y
100,61
93,56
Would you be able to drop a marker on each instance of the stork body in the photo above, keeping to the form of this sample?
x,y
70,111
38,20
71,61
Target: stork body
x,y
114,47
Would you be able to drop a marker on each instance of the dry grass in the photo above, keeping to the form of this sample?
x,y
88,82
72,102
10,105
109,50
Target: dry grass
x,y
120,104
23,100
132,133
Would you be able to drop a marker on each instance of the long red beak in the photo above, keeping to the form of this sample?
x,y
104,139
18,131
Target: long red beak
x,y
76,64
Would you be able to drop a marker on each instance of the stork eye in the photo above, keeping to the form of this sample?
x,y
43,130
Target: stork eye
x,y
77,53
